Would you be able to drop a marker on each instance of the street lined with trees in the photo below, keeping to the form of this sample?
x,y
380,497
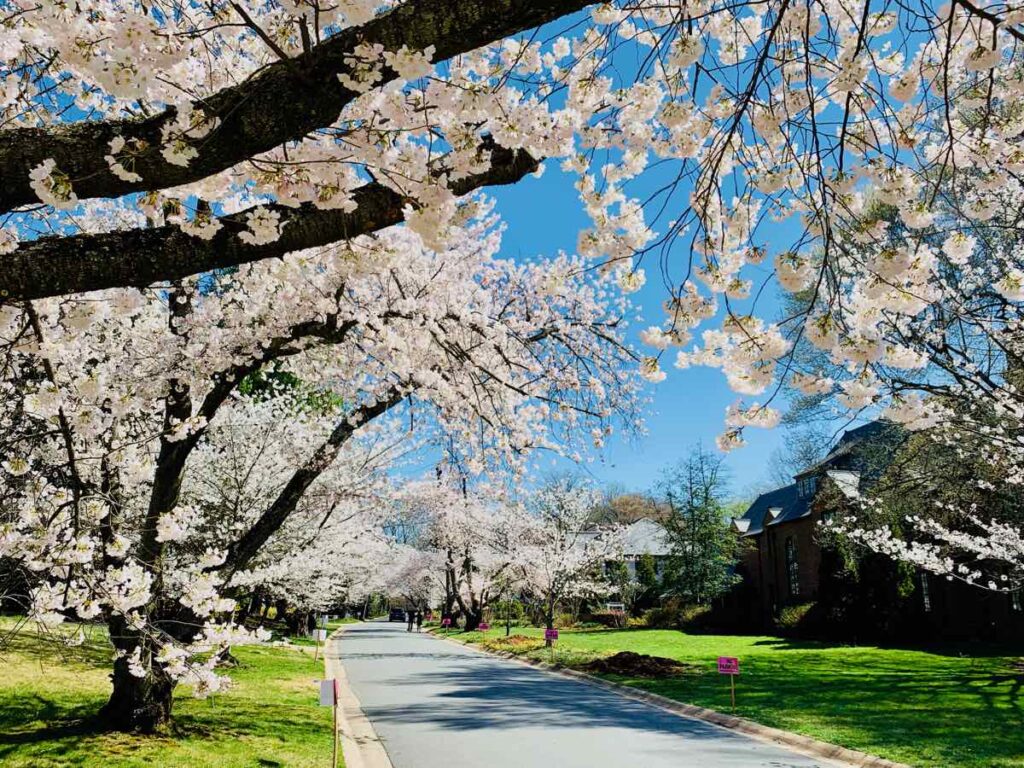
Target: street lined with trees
x,y
250,275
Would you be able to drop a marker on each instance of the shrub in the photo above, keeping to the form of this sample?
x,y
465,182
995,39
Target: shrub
x,y
694,617
675,615
503,608
613,619
564,620
663,617
795,619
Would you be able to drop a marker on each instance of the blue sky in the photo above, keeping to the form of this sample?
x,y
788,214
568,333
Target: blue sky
x,y
544,215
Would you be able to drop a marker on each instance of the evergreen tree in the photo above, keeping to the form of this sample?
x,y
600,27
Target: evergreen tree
x,y
703,551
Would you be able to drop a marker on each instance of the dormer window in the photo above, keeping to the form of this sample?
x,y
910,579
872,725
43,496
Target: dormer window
x,y
806,486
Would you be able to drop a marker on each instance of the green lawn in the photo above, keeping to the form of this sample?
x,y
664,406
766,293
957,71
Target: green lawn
x,y
269,718
942,707
308,642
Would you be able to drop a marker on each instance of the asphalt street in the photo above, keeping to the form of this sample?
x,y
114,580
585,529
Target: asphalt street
x,y
435,704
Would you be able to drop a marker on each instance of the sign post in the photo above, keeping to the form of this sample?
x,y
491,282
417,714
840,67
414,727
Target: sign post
x,y
334,744
446,622
330,692
730,665
550,636
319,636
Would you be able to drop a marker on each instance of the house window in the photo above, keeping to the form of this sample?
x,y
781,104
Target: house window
x,y
792,568
1015,600
806,487
926,595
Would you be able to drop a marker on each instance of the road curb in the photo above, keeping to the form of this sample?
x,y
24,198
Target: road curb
x,y
361,747
804,744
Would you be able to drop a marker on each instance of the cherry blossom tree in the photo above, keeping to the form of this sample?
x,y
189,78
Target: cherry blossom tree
x,y
991,556
413,573
563,555
864,155
934,343
108,397
275,127
473,535
949,503
332,539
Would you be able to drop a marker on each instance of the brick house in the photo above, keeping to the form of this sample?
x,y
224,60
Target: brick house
x,y
783,562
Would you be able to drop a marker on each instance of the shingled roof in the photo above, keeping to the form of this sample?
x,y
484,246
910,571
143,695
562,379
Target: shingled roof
x,y
778,506
849,451
845,464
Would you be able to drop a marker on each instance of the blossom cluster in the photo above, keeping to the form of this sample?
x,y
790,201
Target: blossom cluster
x,y
115,395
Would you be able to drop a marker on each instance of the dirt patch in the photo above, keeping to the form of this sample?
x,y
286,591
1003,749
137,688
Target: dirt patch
x,y
629,664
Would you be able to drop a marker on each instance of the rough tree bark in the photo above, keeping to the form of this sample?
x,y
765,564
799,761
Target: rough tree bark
x,y
282,102
139,704
56,266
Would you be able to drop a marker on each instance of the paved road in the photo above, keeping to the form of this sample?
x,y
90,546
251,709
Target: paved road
x,y
436,704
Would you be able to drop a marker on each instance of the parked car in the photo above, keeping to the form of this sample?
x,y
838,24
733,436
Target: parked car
x,y
397,614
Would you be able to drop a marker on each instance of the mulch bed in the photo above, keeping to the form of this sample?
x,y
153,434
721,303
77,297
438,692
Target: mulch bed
x,y
629,664
513,642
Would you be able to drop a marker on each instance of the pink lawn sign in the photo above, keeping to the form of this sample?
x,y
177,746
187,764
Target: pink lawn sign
x,y
483,626
446,622
550,634
728,665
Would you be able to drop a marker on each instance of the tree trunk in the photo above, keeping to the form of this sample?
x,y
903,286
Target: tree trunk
x,y
549,620
450,587
141,704
473,620
298,623
138,704
226,658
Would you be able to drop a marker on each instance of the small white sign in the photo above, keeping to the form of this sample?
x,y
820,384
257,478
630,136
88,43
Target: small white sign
x,y
327,693
320,635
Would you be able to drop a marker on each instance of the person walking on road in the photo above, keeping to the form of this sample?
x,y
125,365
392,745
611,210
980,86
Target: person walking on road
x,y
419,621
411,615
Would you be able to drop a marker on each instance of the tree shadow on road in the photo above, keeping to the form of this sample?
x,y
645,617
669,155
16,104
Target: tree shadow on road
x,y
466,693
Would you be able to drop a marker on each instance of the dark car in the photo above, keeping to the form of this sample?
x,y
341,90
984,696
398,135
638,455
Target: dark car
x,y
397,614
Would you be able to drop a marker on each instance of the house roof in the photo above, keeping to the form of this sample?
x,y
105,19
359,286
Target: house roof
x,y
848,465
853,443
641,537
847,481
773,508
646,537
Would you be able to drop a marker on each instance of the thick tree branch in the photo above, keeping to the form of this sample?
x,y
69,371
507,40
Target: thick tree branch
x,y
55,266
174,454
241,553
283,102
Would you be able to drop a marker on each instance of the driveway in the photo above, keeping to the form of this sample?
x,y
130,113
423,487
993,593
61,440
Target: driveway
x,y
435,704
